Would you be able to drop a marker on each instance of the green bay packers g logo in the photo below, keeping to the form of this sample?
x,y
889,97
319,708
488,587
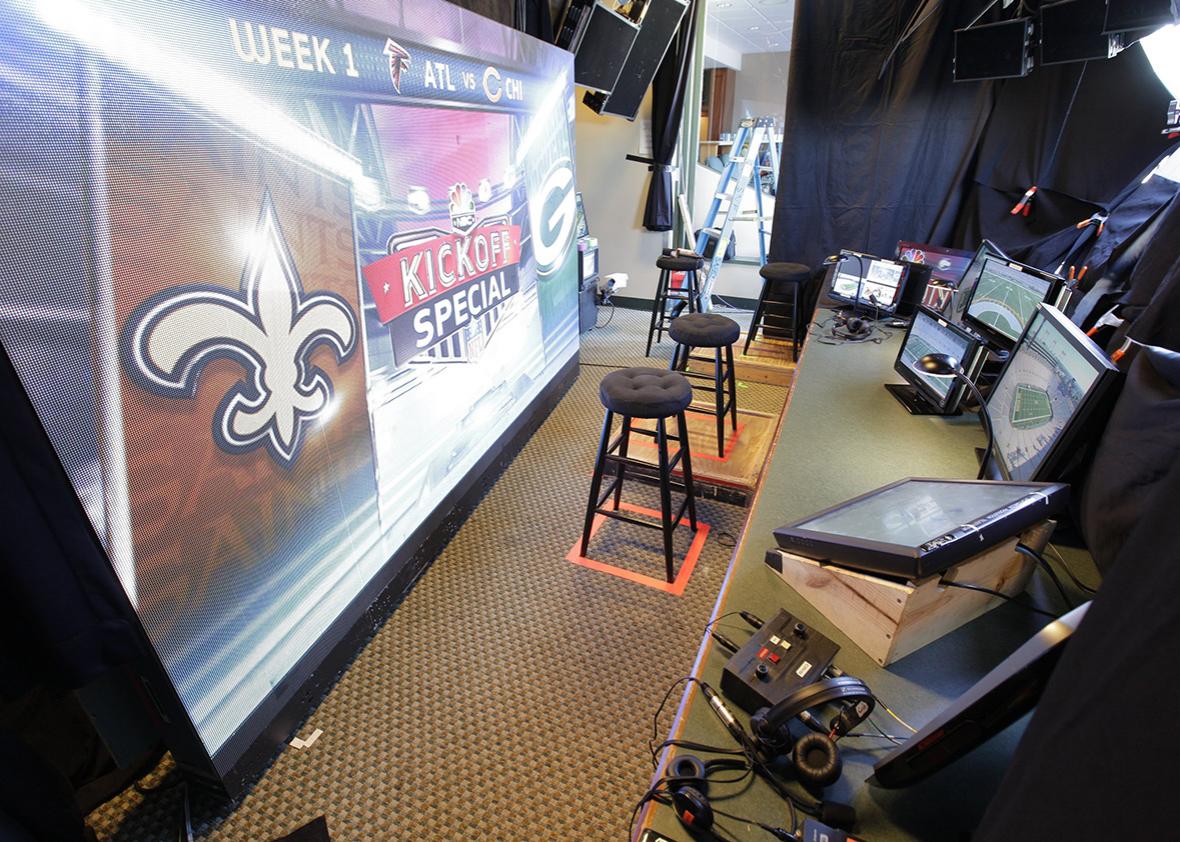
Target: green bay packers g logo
x,y
553,216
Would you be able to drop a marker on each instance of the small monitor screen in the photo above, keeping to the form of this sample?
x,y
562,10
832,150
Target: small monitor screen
x,y
987,249
1039,392
911,513
931,335
946,264
882,279
1005,298
993,51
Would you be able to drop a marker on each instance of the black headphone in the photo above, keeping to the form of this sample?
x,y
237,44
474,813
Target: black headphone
x,y
688,779
814,755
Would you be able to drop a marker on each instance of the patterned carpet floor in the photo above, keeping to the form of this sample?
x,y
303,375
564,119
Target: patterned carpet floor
x,y
510,695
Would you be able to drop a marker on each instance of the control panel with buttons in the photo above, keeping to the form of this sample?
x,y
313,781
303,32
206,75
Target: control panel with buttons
x,y
782,656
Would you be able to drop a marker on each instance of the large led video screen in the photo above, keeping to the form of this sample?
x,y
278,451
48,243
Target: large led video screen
x,y
275,277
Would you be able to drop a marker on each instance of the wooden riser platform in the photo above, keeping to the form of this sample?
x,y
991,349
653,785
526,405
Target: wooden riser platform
x,y
769,361
731,478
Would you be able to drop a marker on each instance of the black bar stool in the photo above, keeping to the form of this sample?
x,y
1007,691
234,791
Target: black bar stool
x,y
709,330
643,393
781,283
690,293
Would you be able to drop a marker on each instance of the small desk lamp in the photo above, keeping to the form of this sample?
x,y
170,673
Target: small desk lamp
x,y
944,365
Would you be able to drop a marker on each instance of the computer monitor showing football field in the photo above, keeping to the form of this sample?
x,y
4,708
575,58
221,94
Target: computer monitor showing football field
x,y
1042,402
865,280
925,394
1005,298
986,251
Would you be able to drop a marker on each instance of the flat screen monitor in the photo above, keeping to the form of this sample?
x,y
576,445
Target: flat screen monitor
x,y
929,333
987,249
277,290
946,264
993,51
1072,30
997,700
916,527
1005,298
882,278
1137,15
1052,385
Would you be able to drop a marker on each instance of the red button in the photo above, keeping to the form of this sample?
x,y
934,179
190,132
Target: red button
x,y
762,652
774,659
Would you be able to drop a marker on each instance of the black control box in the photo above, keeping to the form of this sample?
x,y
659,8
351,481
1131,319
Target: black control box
x,y
782,656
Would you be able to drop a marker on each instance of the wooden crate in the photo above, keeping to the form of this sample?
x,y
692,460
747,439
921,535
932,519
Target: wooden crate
x,y
889,620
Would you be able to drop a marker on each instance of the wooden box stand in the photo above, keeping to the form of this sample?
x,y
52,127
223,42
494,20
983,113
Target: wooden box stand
x,y
888,619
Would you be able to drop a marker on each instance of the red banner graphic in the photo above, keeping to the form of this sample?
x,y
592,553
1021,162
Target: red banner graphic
x,y
414,275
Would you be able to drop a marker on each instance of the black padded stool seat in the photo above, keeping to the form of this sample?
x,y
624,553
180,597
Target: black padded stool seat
x,y
704,330
645,392
679,264
791,273
782,284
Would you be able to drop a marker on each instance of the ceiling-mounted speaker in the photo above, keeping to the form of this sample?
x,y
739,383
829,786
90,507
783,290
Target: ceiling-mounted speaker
x,y
1138,16
657,26
1072,30
994,50
600,39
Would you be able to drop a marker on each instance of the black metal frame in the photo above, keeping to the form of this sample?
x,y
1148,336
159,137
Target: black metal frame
x,y
760,314
616,452
724,388
660,318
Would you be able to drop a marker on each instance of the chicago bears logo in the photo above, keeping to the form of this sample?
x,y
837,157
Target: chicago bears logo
x,y
270,327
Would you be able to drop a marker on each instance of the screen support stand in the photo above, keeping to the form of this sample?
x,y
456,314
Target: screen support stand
x,y
914,403
993,469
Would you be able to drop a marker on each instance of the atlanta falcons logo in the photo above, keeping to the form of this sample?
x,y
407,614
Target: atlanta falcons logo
x,y
399,62
270,327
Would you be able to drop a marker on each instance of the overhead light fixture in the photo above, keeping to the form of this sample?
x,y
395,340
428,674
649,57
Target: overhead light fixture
x,y
753,29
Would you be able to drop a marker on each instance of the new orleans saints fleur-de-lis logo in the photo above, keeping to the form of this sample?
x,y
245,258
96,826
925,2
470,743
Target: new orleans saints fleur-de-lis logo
x,y
270,326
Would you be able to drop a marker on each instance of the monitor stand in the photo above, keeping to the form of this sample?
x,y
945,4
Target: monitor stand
x,y
993,470
914,403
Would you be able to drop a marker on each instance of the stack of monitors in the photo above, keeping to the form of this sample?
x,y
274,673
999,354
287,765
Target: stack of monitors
x,y
925,394
1041,406
861,278
1005,297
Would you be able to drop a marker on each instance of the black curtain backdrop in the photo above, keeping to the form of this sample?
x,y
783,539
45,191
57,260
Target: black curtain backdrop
x,y
867,161
1099,754
667,107
1082,133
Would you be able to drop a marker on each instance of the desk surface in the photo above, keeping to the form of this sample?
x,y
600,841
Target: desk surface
x,y
842,434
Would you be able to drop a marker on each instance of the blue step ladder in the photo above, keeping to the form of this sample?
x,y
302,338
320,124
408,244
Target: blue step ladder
x,y
754,143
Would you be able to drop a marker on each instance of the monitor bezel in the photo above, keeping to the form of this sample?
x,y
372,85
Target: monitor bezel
x,y
948,404
1076,426
849,301
931,248
990,334
986,249
912,562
